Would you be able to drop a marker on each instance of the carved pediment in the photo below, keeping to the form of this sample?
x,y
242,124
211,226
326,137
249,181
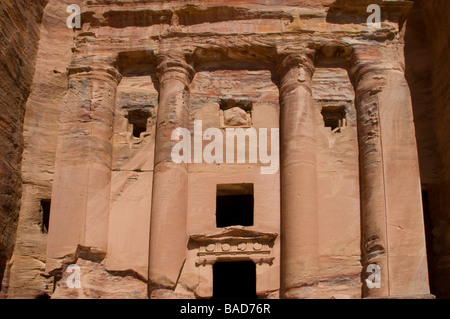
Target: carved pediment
x,y
234,234
234,243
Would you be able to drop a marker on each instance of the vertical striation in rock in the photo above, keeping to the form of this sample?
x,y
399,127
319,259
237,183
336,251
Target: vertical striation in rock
x,y
19,40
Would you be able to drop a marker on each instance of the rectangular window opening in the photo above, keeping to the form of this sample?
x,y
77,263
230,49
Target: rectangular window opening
x,y
45,215
234,205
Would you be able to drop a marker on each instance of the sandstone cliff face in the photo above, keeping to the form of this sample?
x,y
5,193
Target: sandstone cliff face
x,y
19,36
96,135
439,24
210,53
430,29
39,135
426,53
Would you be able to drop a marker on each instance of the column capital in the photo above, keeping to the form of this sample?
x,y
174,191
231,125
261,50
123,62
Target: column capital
x,y
174,65
368,70
110,73
295,68
101,65
288,59
365,60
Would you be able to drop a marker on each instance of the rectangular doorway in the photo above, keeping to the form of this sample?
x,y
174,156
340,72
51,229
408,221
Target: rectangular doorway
x,y
234,280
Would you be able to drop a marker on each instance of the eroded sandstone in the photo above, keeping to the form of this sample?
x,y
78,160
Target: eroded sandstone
x,y
105,100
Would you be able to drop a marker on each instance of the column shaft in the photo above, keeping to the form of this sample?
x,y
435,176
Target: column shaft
x,y
299,215
168,238
81,188
373,201
393,235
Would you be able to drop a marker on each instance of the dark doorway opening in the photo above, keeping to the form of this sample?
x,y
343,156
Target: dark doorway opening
x,y
234,280
234,205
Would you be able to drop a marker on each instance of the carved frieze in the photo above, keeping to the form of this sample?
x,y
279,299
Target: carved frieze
x,y
234,243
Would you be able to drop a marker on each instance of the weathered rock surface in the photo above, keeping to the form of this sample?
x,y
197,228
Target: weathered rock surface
x,y
19,40
344,197
95,282
427,55
27,265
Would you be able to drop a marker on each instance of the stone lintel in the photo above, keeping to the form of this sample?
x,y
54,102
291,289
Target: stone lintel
x,y
234,244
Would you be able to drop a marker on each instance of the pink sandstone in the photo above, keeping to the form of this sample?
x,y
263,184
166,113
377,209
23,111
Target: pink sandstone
x,y
348,195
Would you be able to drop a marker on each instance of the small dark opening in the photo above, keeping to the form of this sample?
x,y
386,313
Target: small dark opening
x,y
234,205
137,130
45,217
138,118
244,103
334,117
234,280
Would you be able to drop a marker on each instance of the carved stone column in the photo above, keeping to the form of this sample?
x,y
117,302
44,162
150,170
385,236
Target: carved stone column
x,y
168,237
299,204
393,238
81,188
